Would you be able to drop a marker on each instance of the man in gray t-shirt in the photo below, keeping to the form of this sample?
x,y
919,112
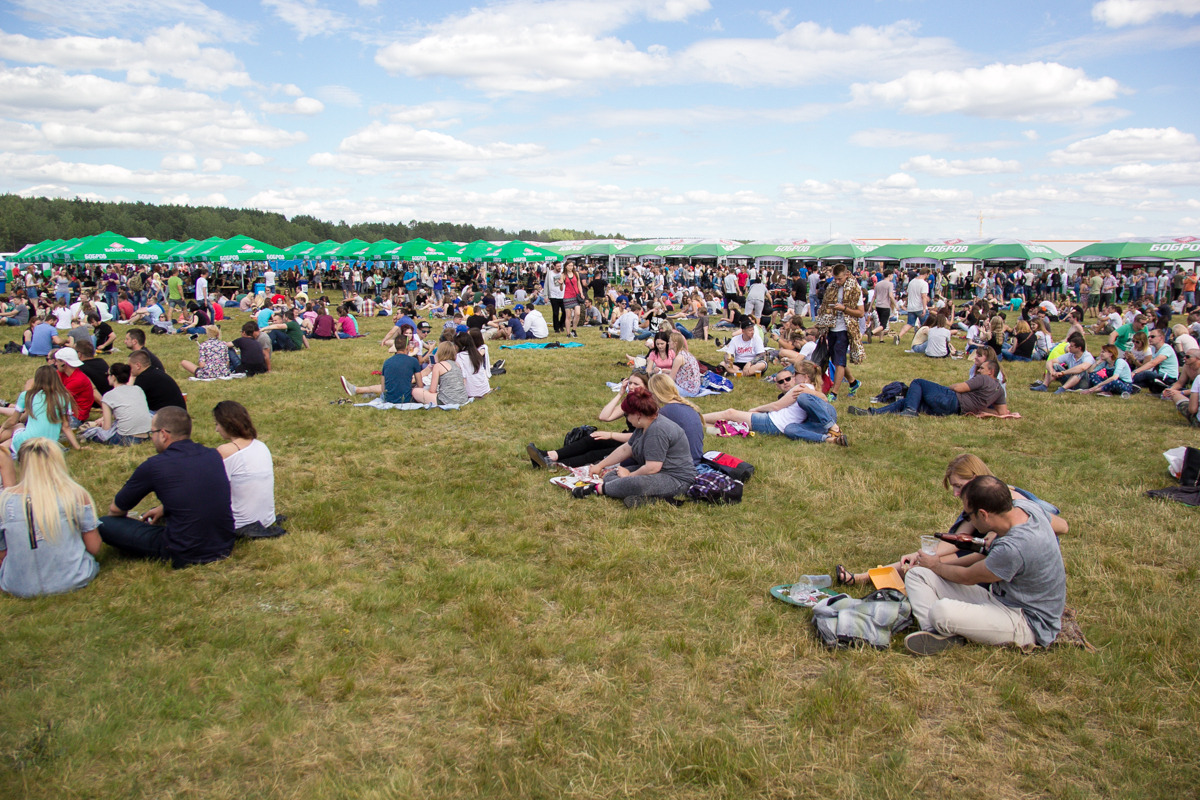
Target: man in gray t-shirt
x,y
1013,595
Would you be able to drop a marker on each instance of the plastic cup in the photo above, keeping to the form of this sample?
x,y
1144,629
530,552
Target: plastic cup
x,y
929,544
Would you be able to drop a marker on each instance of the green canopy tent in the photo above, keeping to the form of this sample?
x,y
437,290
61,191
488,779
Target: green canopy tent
x,y
926,251
34,252
415,250
518,252
299,249
774,248
109,246
1013,250
682,248
472,251
841,249
185,251
1160,248
350,251
238,248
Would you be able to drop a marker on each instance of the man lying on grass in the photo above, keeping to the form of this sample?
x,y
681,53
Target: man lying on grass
x,y
981,393
1013,594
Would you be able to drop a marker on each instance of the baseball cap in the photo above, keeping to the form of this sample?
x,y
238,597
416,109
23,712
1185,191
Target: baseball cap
x,y
68,356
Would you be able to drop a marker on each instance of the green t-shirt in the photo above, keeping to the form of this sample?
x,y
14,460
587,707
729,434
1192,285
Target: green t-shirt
x,y
295,332
174,288
1124,334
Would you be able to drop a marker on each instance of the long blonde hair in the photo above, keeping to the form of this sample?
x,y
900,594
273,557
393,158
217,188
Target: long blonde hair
x,y
446,351
665,391
52,492
965,466
678,342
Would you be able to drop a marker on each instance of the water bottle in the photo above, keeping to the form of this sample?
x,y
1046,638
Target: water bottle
x,y
819,581
808,585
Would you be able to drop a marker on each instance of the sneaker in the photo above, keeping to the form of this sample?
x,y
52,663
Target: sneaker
x,y
928,643
1035,383
895,338
587,490
1039,387
1061,390
858,412
350,388
831,397
1104,394
537,457
909,412
853,388
499,364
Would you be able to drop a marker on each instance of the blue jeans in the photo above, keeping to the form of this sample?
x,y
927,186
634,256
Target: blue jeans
x,y
920,348
821,417
684,332
925,397
112,298
134,537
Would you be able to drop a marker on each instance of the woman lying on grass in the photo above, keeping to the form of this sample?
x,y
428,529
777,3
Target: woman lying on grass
x,y
961,471
598,444
801,412
658,452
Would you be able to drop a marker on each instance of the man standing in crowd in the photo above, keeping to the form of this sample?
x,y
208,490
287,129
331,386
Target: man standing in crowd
x,y
918,301
555,290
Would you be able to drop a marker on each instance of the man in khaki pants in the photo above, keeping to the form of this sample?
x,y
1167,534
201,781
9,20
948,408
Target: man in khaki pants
x,y
1015,594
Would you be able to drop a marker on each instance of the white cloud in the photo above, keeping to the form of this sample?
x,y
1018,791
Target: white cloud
x,y
185,199
1012,91
127,15
49,168
538,47
1130,145
886,137
58,190
809,53
339,96
304,106
944,168
1119,13
1148,175
308,18
405,143
185,161
87,111
175,52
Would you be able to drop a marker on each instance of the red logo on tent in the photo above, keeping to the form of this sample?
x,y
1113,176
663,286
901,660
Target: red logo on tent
x,y
952,241
1186,239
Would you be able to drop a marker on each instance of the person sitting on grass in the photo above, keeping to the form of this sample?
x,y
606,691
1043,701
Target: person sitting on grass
x,y
214,357
49,537
980,393
1110,374
937,339
588,449
1021,346
800,412
1185,392
660,455
125,417
746,351
1070,369
254,358
681,411
1162,368
447,386
961,470
192,488
286,334
250,470
398,372
45,409
1013,594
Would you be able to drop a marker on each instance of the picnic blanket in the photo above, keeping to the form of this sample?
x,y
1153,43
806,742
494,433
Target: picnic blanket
x,y
379,404
228,377
540,345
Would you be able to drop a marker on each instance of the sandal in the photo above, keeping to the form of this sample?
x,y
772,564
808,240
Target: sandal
x,y
840,440
844,578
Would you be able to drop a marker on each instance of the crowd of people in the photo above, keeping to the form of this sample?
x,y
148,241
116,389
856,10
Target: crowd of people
x,y
806,333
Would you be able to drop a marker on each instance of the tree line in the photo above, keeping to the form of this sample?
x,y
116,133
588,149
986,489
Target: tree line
x,y
29,220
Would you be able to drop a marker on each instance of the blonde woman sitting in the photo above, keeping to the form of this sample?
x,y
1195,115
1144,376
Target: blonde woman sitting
x,y
447,386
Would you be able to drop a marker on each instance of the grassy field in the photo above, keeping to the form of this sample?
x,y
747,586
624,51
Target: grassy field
x,y
442,622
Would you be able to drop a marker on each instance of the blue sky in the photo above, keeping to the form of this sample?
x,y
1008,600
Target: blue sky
x,y
1065,120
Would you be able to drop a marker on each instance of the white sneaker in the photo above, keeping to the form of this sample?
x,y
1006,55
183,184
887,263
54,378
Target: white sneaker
x,y
350,388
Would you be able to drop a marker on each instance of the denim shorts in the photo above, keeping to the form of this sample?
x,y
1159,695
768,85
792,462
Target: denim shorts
x,y
761,423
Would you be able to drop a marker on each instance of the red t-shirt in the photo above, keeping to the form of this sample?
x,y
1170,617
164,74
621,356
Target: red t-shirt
x,y
81,388
125,309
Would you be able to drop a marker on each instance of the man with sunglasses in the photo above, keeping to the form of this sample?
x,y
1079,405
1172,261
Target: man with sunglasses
x,y
1185,392
1014,593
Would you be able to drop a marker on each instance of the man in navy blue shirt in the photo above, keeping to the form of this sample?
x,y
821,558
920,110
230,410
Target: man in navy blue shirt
x,y
193,491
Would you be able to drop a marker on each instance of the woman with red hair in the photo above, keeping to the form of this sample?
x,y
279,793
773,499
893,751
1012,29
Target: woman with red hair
x,y
657,460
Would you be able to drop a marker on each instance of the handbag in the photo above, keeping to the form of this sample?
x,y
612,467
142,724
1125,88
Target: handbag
x,y
820,354
577,433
